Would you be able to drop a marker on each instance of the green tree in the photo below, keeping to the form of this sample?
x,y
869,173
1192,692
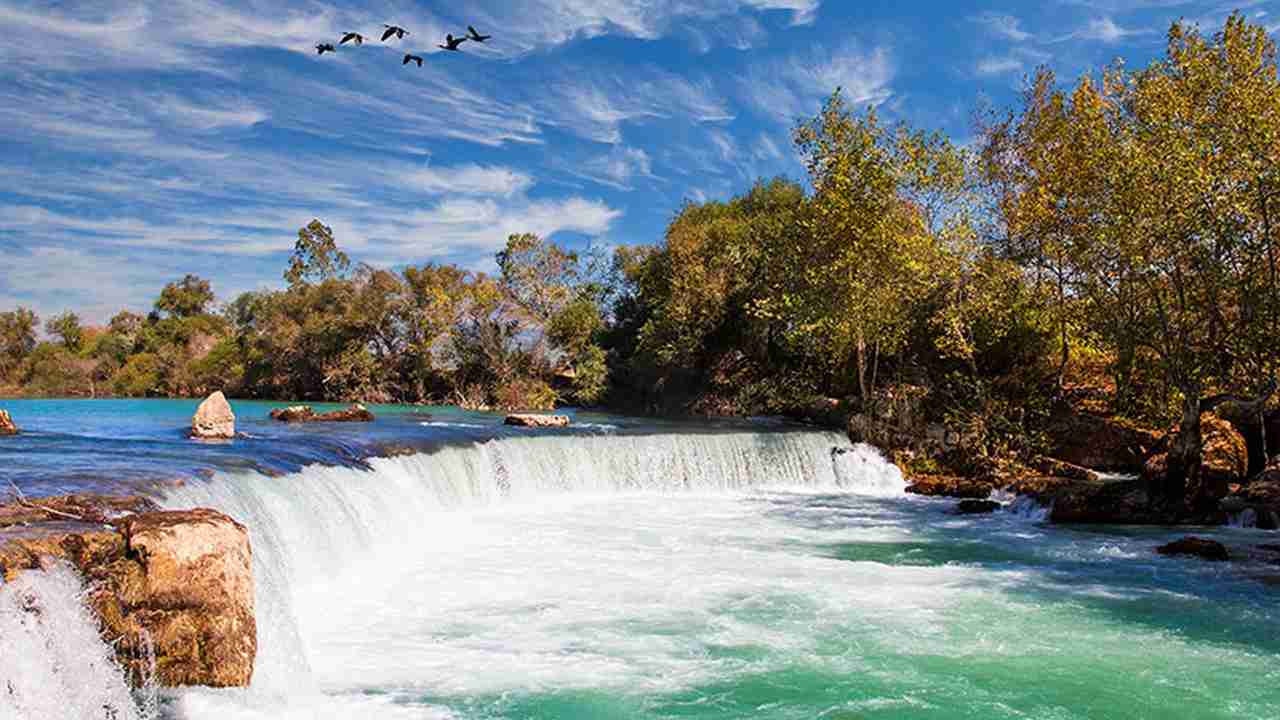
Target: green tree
x,y
316,256
184,298
66,327
17,338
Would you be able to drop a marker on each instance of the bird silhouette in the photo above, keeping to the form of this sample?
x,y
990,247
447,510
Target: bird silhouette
x,y
452,43
412,58
323,48
473,35
396,30
352,36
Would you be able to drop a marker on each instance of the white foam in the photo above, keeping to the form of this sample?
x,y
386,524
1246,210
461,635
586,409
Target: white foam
x,y
53,663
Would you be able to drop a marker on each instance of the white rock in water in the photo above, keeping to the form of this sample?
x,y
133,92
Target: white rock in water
x,y
6,424
214,419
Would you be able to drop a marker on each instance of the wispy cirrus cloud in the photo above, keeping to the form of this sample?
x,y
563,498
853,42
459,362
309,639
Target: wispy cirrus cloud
x,y
794,86
1002,25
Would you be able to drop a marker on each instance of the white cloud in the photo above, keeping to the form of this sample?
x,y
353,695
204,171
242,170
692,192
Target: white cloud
x,y
470,180
998,65
1104,29
1006,26
616,168
795,87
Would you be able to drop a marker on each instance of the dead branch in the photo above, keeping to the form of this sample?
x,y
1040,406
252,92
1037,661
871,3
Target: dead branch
x,y
22,500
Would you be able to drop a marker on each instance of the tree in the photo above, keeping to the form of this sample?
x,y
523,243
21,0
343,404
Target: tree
x,y
316,256
185,298
17,338
1160,188
67,328
869,247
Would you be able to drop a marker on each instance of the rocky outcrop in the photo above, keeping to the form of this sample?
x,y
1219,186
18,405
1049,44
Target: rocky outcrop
x,y
977,507
304,413
7,426
1224,459
951,486
1053,467
213,419
1099,443
176,584
1211,550
537,421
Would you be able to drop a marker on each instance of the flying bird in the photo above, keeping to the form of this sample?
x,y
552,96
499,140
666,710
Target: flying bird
x,y
412,58
473,35
396,30
452,43
352,36
323,48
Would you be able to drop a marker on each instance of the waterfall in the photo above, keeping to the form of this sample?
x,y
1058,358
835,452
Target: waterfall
x,y
55,665
310,527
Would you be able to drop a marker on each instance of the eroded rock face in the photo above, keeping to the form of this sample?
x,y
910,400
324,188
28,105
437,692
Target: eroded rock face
x,y
1198,547
304,413
176,583
951,486
537,421
1098,443
213,419
1224,458
7,426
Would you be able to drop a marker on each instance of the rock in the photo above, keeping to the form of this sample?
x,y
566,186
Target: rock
x,y
213,419
95,509
951,486
1198,547
1053,467
1098,443
294,413
537,421
304,413
977,507
1224,458
176,583
6,424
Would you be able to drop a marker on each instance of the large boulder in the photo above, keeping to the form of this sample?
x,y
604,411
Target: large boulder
x,y
173,585
537,421
951,486
305,414
1211,550
213,419
7,427
1098,443
1224,458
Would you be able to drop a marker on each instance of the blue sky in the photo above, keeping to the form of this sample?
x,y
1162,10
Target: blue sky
x,y
145,139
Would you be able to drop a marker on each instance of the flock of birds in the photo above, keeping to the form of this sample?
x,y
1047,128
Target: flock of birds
x,y
450,42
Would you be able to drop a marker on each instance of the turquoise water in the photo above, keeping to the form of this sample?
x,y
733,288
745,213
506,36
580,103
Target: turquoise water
x,y
640,570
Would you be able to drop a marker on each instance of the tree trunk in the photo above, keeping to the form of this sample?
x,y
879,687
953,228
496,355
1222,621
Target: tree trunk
x,y
862,374
1183,467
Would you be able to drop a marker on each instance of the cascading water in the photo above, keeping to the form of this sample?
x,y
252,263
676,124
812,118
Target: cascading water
x,y
713,575
54,663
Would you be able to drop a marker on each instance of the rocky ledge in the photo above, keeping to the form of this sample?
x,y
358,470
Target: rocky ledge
x,y
538,421
305,414
7,427
178,584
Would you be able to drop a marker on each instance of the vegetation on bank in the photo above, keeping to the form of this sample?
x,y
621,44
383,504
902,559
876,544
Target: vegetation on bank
x,y
1114,243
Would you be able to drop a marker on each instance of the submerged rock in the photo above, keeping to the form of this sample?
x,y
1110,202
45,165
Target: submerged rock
x,y
537,421
1211,550
7,427
213,419
977,507
173,585
304,413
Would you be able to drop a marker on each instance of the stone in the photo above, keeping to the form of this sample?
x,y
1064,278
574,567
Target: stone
x,y
1211,550
176,584
1223,460
7,426
1098,443
951,486
537,421
304,413
213,419
977,507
